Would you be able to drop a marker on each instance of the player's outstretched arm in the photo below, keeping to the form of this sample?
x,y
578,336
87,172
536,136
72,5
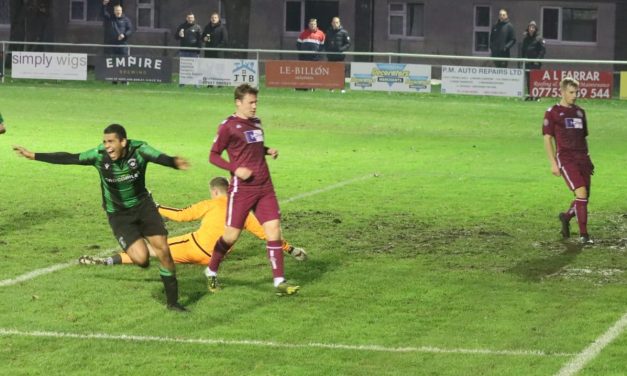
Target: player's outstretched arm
x,y
181,163
22,151
191,213
155,156
54,158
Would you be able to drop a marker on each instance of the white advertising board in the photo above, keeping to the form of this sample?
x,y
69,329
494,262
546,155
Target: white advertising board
x,y
503,82
49,66
391,77
218,72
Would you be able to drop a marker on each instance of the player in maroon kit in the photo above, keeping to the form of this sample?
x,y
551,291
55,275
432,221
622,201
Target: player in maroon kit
x,y
565,128
250,188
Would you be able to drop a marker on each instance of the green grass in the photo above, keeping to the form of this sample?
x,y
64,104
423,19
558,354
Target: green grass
x,y
449,240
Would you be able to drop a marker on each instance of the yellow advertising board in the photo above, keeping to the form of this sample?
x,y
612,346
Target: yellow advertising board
x,y
623,85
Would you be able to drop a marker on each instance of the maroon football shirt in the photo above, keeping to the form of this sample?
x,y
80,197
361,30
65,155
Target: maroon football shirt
x,y
569,127
243,141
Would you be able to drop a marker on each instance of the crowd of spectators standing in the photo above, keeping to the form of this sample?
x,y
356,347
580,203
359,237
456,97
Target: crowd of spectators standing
x,y
312,41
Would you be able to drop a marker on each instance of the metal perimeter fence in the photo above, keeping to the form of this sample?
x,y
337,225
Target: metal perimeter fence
x,y
436,63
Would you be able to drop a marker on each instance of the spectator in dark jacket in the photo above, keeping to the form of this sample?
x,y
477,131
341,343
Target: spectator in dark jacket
x,y
189,36
117,29
336,40
215,35
502,38
311,39
532,48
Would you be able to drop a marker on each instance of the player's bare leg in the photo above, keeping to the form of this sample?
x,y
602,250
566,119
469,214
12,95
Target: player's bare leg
x,y
274,246
581,211
167,270
138,252
151,250
117,259
159,245
222,246
231,234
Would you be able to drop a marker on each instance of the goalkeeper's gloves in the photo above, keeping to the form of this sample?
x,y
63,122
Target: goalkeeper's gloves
x,y
298,253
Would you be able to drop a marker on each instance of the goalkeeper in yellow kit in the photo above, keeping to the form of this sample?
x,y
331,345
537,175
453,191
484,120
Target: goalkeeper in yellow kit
x,y
196,247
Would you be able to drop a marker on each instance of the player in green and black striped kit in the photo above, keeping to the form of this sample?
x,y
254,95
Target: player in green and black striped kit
x,y
2,128
132,213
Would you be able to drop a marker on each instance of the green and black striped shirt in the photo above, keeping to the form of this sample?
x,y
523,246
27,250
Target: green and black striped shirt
x,y
123,182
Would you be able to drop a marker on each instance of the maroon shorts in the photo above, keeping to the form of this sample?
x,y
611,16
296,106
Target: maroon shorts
x,y
262,202
577,173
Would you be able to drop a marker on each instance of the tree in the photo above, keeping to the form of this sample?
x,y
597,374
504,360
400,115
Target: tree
x,y
29,21
18,23
238,24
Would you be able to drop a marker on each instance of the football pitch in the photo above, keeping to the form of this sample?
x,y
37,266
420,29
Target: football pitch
x,y
430,222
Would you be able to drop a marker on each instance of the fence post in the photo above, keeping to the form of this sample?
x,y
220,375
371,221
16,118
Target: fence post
x,y
389,62
258,68
4,52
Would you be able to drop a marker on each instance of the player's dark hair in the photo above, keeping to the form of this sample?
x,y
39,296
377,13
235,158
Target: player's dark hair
x,y
244,89
219,183
117,129
190,13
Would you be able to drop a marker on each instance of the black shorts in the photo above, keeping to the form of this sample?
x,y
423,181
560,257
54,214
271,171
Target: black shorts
x,y
137,222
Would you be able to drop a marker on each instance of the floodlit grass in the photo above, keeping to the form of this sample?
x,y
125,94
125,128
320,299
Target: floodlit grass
x,y
443,240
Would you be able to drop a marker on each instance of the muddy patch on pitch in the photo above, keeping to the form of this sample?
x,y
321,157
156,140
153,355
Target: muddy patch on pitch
x,y
401,234
597,276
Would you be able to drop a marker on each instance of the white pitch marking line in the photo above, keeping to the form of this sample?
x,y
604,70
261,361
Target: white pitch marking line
x,y
43,271
328,188
51,269
589,353
209,341
35,273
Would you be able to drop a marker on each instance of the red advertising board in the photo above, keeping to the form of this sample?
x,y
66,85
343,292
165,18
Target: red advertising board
x,y
592,84
304,74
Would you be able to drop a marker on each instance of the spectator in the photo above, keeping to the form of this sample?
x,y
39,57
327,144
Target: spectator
x,y
311,39
215,35
117,29
532,48
337,40
189,36
502,38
